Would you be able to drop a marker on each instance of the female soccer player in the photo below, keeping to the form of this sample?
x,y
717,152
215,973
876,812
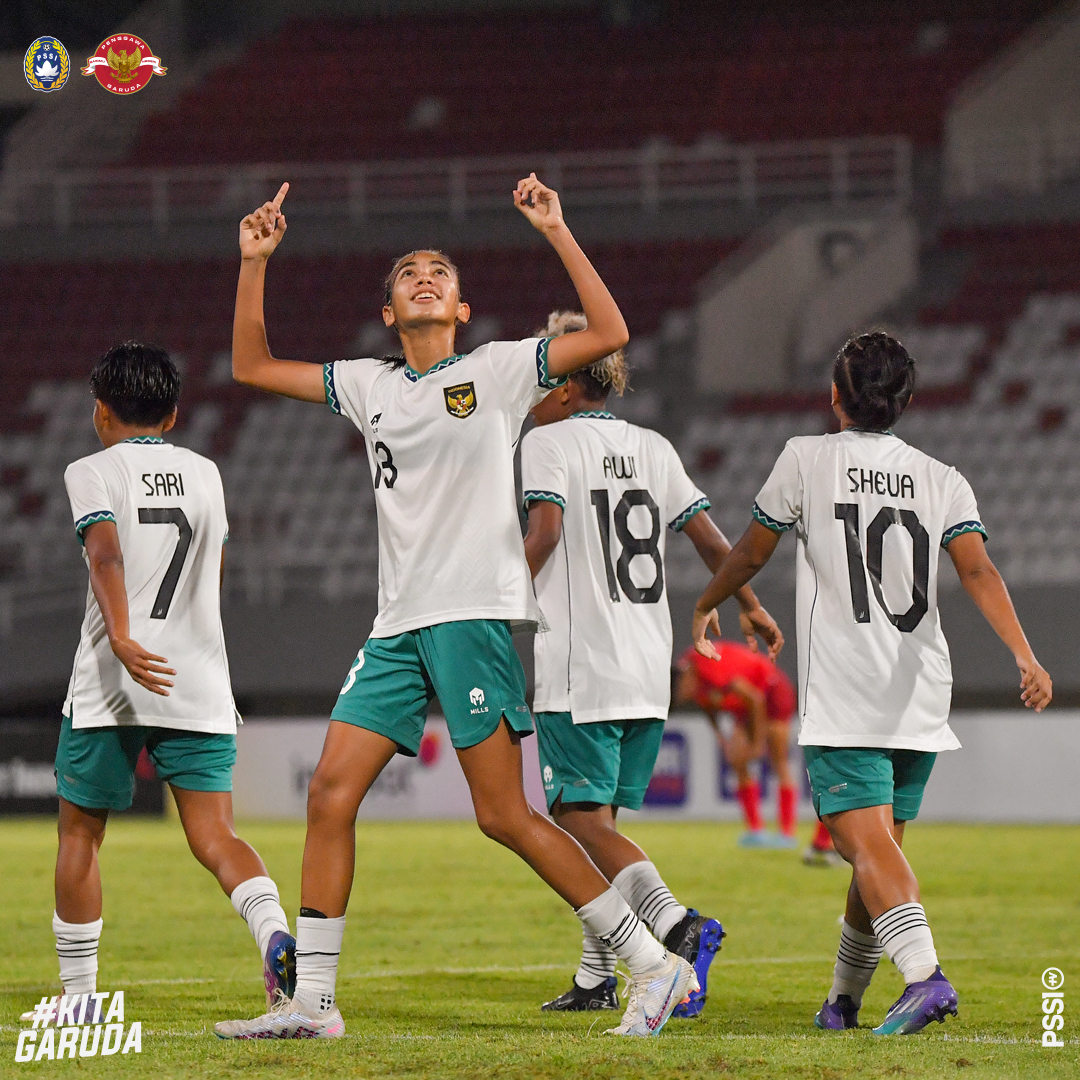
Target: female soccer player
x,y
874,673
441,429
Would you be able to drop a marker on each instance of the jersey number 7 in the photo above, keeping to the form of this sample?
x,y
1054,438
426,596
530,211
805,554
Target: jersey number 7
x,y
886,517
171,515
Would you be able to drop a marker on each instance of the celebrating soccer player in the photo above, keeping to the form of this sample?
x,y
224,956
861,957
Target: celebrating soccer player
x,y
599,492
151,670
871,514
752,690
440,429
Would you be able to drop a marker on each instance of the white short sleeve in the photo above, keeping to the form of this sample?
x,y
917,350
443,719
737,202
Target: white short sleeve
x,y
543,470
88,494
520,367
683,498
346,384
779,503
962,515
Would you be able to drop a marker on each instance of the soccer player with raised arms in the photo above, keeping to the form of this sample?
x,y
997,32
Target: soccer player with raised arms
x,y
151,669
600,494
440,429
871,515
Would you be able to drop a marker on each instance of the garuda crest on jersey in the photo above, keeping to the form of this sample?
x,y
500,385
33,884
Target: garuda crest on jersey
x,y
123,64
460,399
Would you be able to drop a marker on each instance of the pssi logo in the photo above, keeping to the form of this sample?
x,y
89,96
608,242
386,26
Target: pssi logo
x,y
46,64
123,64
476,696
1053,1007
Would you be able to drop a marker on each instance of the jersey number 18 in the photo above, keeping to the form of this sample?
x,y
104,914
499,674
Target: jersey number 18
x,y
632,545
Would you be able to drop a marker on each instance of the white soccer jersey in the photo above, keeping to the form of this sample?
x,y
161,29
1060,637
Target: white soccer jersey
x,y
169,510
606,652
441,450
871,515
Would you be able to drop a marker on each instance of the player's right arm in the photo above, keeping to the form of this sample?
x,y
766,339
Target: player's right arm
x,y
252,364
984,585
545,528
107,580
757,716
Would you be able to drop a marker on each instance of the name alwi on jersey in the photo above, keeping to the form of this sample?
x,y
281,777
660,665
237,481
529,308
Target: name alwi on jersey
x,y
620,468
163,483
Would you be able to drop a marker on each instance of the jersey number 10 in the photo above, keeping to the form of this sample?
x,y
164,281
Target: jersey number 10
x,y
631,545
886,517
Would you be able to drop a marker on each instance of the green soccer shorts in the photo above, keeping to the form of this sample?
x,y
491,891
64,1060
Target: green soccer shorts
x,y
471,666
609,762
95,767
849,778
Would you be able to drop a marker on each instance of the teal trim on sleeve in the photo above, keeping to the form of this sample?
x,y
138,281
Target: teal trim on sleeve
x,y
92,519
529,497
543,379
330,390
694,508
950,534
770,522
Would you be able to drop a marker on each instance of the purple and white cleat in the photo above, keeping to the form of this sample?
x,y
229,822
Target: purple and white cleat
x,y
279,967
920,1004
838,1015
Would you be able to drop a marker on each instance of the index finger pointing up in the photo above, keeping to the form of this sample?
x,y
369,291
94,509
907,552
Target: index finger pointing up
x,y
279,198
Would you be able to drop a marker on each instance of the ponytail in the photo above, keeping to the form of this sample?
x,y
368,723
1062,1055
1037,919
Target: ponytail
x,y
875,378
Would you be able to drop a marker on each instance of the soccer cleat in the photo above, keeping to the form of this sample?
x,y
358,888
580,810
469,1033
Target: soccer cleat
x,y
279,967
653,997
921,1003
284,1022
824,857
783,841
696,938
580,999
838,1015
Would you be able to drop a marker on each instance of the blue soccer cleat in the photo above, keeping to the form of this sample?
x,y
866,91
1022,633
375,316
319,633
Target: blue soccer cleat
x,y
920,1004
279,967
696,938
839,1015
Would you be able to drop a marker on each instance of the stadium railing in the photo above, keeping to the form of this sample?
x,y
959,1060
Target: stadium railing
x,y
832,169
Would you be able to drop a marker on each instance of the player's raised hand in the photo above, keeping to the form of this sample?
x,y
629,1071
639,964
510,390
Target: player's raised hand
x,y
759,623
703,623
538,203
144,667
1036,689
261,231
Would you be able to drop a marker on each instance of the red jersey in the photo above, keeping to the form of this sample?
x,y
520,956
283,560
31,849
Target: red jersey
x,y
740,662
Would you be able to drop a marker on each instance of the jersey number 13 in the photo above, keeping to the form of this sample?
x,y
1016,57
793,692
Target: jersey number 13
x,y
886,517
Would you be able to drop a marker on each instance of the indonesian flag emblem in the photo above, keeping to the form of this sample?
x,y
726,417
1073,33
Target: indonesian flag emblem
x,y
123,64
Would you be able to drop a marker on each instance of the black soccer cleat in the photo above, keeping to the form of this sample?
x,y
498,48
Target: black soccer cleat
x,y
578,999
696,938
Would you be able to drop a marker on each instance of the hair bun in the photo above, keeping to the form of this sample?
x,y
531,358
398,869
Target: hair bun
x,y
875,378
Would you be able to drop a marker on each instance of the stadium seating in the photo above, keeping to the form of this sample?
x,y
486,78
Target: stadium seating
x,y
338,89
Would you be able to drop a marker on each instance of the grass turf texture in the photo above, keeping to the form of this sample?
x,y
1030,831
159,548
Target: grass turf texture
x,y
452,944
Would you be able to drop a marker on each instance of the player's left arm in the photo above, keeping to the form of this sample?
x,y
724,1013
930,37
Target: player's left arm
x,y
606,331
985,586
746,558
713,547
106,560
545,528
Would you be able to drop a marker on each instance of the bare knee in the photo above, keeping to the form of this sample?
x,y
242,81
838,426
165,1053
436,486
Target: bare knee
x,y
503,825
329,797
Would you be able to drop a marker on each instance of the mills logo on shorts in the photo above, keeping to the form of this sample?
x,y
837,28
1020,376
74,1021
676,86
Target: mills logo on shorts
x,y
476,696
123,64
460,399
46,64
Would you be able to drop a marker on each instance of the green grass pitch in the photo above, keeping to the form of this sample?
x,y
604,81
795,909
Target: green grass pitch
x,y
452,944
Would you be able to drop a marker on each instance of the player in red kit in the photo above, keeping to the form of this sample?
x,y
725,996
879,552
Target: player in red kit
x,y
750,687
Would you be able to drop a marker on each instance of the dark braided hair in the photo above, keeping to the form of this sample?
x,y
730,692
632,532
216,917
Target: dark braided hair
x,y
875,379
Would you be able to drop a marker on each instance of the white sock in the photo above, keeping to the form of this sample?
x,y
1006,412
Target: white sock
x,y
257,903
905,935
856,961
318,946
610,919
77,947
644,890
597,962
